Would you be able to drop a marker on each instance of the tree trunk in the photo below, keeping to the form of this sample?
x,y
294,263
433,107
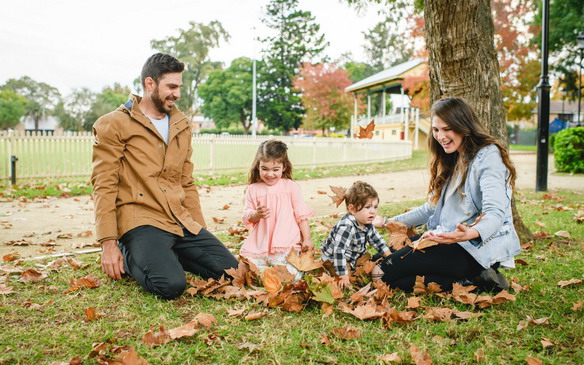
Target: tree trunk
x,y
463,63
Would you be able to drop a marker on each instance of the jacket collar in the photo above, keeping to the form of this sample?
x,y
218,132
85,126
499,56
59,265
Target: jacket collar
x,y
177,119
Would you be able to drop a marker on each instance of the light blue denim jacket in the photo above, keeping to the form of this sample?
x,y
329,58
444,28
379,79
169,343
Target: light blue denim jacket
x,y
485,191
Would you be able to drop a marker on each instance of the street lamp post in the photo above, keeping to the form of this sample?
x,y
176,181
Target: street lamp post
x,y
543,106
580,43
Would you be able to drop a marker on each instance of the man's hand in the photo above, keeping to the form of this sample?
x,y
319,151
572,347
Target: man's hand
x,y
112,261
345,282
462,233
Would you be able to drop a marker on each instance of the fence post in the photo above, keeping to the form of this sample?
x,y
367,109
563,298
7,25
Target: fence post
x,y
314,153
13,160
211,154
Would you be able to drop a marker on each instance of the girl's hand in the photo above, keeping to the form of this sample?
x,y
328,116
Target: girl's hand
x,y
345,282
263,212
462,233
307,245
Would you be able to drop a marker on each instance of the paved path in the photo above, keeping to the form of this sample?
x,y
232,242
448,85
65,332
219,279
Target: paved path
x,y
40,222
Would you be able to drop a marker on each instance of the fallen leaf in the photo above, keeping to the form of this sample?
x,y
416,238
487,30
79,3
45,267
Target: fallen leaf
x,y
541,235
521,262
327,309
207,320
256,315
339,194
324,340
439,314
419,286
419,357
303,261
218,220
564,234
579,216
467,315
443,341
88,281
226,207
32,276
321,192
65,236
387,358
363,312
91,314
545,342
186,330
84,234
235,312
358,295
540,224
414,302
6,290
577,307
570,282
271,280
479,355
10,257
533,361
347,333
153,339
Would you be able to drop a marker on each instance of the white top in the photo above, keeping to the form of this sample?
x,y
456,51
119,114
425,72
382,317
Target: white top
x,y
161,126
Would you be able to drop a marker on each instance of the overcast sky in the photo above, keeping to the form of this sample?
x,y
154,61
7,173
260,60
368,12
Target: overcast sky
x,y
80,43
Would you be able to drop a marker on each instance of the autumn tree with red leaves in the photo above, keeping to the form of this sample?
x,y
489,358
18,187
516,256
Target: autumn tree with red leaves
x,y
323,96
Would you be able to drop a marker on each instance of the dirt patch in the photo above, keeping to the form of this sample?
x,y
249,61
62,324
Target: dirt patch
x,y
63,225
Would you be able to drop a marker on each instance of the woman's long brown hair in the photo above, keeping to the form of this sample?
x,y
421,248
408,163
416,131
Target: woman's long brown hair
x,y
271,150
460,117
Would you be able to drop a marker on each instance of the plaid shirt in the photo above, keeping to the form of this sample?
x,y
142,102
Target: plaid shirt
x,y
347,242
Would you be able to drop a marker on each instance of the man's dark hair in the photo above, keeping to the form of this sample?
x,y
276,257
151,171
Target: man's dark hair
x,y
159,64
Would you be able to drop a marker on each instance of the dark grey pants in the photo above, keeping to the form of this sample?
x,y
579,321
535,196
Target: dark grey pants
x,y
158,259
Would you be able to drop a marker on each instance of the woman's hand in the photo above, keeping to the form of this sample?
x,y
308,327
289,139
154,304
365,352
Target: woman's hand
x,y
345,282
378,222
462,233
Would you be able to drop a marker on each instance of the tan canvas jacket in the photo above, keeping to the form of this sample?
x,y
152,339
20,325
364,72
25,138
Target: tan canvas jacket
x,y
138,179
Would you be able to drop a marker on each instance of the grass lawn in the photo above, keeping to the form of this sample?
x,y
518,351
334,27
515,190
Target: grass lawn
x,y
517,147
31,190
42,323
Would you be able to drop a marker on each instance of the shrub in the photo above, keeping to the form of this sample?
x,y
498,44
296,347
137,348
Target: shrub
x,y
569,150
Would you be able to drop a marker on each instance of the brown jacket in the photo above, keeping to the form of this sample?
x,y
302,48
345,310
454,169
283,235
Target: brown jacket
x,y
138,179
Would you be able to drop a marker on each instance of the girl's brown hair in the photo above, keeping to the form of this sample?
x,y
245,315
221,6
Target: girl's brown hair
x,y
460,117
271,150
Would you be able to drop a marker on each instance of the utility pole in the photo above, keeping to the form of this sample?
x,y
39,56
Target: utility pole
x,y
254,119
543,106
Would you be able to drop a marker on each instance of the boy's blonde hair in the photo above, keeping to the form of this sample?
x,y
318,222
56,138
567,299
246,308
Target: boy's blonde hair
x,y
359,193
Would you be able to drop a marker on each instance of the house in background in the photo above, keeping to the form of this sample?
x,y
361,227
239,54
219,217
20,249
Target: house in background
x,y
566,111
48,124
401,122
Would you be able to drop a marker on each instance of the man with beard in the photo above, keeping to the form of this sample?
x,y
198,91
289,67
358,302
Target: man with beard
x,y
148,215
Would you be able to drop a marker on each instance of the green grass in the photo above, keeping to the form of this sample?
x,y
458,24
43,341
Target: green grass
x,y
38,189
517,147
57,332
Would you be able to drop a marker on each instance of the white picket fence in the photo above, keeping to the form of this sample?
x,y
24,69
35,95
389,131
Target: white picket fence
x,y
68,155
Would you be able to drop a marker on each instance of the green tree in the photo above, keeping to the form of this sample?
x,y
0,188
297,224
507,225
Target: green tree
x,y
227,94
73,110
192,46
107,101
297,40
358,71
566,20
386,43
41,97
12,108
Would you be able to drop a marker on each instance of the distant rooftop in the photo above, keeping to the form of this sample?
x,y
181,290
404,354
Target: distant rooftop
x,y
394,73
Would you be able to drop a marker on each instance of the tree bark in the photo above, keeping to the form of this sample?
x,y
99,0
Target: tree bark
x,y
463,63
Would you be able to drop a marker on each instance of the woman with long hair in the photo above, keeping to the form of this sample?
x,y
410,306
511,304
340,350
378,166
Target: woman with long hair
x,y
471,180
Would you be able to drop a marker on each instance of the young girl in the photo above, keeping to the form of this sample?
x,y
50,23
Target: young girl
x,y
349,237
274,212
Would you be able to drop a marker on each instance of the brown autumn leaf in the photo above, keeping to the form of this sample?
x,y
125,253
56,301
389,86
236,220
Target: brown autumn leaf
x,y
88,281
235,312
122,355
339,194
433,288
327,309
388,358
564,234
400,316
32,276
419,286
439,314
521,262
65,236
91,314
324,340
303,261
357,296
153,339
294,302
479,355
419,357
239,275
347,333
541,235
577,307
85,234
271,280
76,264
414,302
422,244
502,297
6,290
579,216
533,361
256,315
321,192
363,312
367,132
226,207
399,235
540,224
11,257
205,319
467,315
218,220
546,342
463,294
564,283
186,330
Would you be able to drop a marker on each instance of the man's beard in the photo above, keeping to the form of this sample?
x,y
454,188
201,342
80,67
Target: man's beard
x,y
158,102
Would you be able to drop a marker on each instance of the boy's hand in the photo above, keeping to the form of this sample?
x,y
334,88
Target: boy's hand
x,y
345,282
307,245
